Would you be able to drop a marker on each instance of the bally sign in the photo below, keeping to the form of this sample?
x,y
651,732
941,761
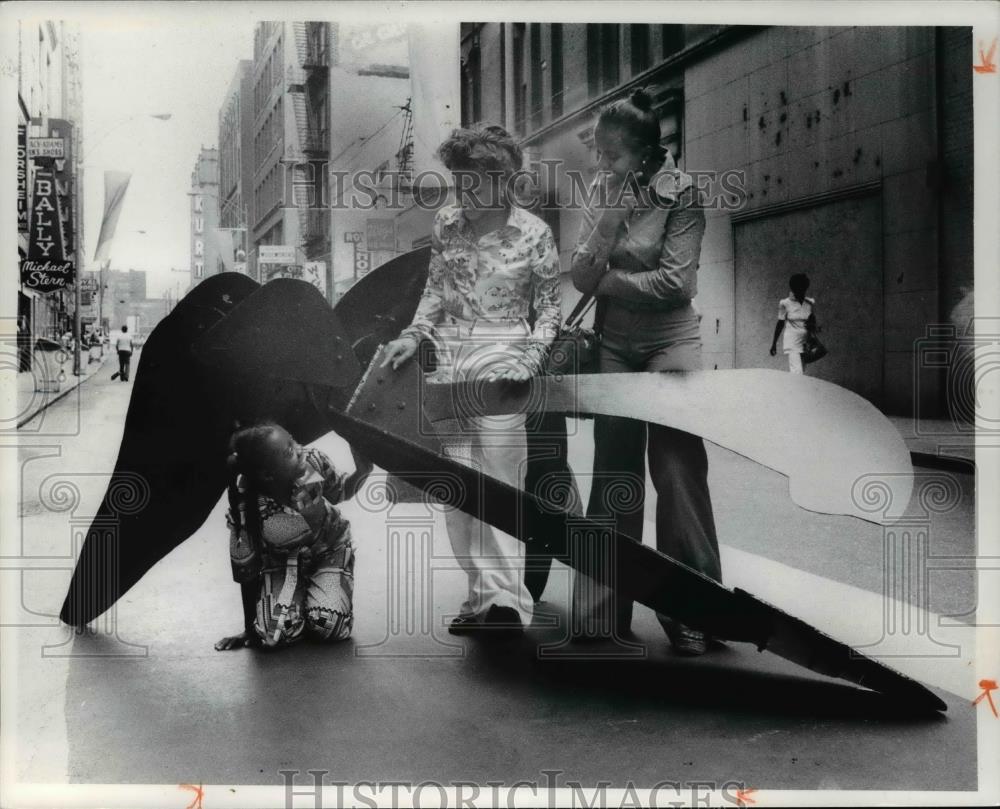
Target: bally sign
x,y
46,268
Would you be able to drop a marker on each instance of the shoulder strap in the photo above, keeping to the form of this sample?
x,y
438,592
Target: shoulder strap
x,y
582,307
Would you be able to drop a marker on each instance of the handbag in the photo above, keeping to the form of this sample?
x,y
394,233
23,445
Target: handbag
x,y
813,349
574,351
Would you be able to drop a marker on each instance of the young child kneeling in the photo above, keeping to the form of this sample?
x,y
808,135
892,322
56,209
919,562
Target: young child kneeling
x,y
290,548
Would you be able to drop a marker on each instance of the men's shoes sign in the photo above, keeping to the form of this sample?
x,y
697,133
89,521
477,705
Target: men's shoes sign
x,y
46,268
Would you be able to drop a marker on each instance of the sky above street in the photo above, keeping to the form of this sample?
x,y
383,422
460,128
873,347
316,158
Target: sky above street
x,y
180,62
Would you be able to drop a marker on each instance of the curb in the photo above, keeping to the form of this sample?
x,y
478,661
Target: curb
x,y
943,463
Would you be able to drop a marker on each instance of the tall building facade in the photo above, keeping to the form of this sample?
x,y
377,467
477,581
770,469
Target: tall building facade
x,y
321,98
125,292
312,120
50,98
236,167
371,124
204,203
853,150
279,115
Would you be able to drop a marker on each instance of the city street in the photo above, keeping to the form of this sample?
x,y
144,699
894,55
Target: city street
x,y
275,206
146,699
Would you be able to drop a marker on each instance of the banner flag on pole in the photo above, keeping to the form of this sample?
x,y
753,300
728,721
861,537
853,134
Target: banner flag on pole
x,y
115,185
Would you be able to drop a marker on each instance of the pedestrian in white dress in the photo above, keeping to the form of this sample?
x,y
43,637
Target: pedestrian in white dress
x,y
796,319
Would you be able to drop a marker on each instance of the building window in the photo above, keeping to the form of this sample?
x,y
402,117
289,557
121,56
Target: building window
x,y
472,84
536,74
503,74
556,68
673,39
602,58
639,38
518,77
609,56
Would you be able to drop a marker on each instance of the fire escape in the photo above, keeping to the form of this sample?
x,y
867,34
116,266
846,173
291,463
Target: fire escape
x,y
315,139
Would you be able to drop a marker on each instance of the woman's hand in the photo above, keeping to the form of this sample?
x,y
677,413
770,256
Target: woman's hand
x,y
518,369
245,640
612,217
399,351
513,373
774,350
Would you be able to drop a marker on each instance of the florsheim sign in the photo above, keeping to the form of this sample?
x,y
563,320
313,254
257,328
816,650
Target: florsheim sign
x,y
46,268
22,179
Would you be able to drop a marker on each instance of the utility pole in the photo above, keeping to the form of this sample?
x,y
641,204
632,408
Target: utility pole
x,y
76,139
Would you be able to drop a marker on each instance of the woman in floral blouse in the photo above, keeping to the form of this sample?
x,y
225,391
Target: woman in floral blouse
x,y
491,265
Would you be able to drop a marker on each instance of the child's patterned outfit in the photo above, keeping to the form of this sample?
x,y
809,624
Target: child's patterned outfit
x,y
308,565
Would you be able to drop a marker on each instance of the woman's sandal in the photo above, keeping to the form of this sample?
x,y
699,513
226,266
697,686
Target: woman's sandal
x,y
685,640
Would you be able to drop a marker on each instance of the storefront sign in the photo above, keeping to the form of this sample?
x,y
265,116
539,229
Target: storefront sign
x,y
275,254
46,268
46,147
315,273
62,130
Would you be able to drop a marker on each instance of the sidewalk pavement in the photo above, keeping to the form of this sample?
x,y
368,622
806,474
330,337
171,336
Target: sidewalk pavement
x,y
32,398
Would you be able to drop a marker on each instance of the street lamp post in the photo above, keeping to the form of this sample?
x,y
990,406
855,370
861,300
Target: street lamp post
x,y
78,249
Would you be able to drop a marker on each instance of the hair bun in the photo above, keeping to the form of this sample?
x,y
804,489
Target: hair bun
x,y
641,99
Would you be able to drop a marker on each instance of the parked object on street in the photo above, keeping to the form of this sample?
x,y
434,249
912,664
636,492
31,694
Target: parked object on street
x,y
49,365
23,344
252,360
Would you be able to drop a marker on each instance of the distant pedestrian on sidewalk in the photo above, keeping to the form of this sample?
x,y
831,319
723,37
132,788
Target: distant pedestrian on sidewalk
x,y
123,343
796,318
291,550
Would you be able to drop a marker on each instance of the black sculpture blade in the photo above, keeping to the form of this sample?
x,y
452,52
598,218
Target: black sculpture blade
x,y
285,332
380,305
231,352
171,463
